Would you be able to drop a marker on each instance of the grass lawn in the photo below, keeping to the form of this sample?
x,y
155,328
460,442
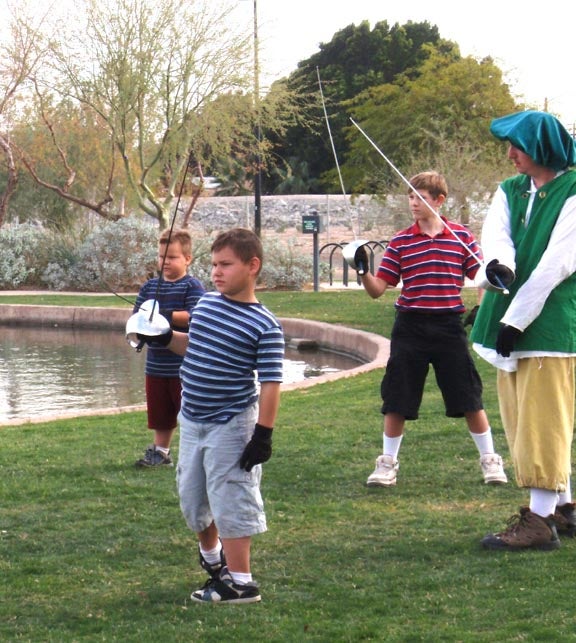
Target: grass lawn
x,y
93,549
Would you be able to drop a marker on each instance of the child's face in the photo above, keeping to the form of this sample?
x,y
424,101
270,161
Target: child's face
x,y
232,277
176,262
421,211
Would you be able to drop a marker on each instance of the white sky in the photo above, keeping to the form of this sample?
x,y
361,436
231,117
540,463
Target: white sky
x,y
535,47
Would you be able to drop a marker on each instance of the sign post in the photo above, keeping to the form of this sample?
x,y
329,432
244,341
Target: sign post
x,y
311,224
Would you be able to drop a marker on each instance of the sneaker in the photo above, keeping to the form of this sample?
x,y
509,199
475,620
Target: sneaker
x,y
525,531
212,569
384,475
222,589
565,519
493,469
154,458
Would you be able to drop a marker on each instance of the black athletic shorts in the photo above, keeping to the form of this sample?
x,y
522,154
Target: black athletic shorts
x,y
418,341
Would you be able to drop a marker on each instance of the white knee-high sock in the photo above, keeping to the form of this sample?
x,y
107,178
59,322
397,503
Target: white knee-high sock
x,y
392,446
565,496
543,502
484,442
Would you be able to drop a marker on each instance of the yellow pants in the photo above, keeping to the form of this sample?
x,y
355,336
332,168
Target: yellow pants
x,y
537,411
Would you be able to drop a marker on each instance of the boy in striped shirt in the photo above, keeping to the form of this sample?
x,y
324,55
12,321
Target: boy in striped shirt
x,y
226,423
177,293
432,264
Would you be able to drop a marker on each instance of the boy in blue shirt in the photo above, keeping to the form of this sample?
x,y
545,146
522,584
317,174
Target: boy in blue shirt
x,y
226,423
177,294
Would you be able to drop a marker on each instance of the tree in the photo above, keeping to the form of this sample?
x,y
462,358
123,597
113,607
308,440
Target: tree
x,y
441,116
145,76
356,59
20,56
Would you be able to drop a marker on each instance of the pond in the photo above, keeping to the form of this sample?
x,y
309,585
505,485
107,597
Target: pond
x,y
46,371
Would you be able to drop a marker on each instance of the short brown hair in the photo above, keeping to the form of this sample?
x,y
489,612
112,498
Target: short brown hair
x,y
244,243
433,182
182,236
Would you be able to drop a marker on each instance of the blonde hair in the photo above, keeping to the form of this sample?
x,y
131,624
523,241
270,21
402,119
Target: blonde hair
x,y
181,236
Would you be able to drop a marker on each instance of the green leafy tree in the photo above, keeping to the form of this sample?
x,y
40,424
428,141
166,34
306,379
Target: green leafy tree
x,y
440,118
356,59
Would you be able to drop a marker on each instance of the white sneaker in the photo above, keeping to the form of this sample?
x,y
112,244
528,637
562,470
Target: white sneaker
x,y
384,475
493,469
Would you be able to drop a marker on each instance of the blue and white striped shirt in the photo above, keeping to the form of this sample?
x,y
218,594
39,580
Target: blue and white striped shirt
x,y
181,294
230,343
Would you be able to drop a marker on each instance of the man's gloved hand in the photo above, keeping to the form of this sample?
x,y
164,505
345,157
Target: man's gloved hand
x,y
361,260
471,316
259,449
156,340
507,336
499,274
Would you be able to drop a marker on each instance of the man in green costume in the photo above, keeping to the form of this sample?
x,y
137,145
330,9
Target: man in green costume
x,y
526,325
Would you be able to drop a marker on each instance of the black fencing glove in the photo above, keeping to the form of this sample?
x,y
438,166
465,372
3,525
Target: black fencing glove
x,y
507,336
259,449
471,316
497,273
167,314
156,340
361,260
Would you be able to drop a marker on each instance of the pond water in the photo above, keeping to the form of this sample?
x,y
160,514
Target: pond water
x,y
46,371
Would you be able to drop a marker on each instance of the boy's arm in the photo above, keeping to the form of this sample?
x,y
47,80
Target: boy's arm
x,y
373,286
268,403
173,340
180,318
178,343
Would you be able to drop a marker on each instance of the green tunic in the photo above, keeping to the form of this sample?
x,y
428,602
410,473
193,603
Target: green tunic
x,y
554,330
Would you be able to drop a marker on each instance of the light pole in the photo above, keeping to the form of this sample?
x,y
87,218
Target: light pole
x,y
258,159
257,132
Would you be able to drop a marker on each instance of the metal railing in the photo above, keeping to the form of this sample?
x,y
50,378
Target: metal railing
x,y
335,255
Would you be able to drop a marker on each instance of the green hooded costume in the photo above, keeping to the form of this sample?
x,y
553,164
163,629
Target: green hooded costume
x,y
543,138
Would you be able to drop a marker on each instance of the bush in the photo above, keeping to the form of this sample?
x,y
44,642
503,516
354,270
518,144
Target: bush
x,y
120,256
21,250
285,267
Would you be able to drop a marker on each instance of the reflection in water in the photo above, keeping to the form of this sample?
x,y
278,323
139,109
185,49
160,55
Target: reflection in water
x,y
45,371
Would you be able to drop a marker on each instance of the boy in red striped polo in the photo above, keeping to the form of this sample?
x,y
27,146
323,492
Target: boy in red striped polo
x,y
431,259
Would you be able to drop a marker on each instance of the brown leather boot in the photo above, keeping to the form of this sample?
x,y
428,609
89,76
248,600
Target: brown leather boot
x,y
565,519
525,531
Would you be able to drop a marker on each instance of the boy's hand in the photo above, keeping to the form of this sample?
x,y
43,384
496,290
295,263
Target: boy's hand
x,y
507,336
160,340
259,449
361,260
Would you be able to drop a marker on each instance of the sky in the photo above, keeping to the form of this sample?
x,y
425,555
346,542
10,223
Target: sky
x,y
534,48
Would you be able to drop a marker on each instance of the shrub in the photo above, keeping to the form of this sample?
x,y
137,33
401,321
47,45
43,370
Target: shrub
x,y
121,256
21,248
285,267
118,255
